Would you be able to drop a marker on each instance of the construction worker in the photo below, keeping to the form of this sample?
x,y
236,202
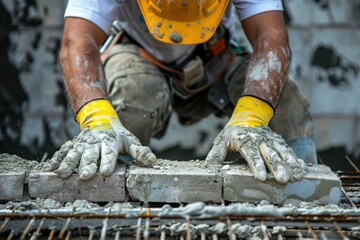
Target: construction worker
x,y
179,55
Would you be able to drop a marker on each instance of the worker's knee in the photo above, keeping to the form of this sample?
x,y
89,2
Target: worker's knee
x,y
292,118
293,122
235,78
304,148
138,91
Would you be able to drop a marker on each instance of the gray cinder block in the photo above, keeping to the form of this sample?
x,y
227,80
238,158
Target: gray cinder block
x,y
97,189
320,184
12,186
174,182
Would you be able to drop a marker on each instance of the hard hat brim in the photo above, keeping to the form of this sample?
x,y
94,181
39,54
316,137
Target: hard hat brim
x,y
175,31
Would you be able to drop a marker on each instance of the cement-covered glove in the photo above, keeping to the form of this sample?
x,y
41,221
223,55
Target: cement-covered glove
x,y
102,137
247,132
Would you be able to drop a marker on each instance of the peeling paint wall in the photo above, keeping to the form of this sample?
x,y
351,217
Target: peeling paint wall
x,y
325,36
35,118
34,115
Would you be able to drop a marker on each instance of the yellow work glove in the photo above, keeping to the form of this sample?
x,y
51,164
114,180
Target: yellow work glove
x,y
247,132
102,137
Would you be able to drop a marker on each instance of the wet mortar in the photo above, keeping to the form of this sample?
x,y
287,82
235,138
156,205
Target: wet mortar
x,y
14,164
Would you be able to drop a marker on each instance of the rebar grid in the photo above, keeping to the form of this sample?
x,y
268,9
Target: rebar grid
x,y
350,182
156,223
147,223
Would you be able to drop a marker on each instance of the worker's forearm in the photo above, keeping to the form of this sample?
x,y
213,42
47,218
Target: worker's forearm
x,y
268,68
83,72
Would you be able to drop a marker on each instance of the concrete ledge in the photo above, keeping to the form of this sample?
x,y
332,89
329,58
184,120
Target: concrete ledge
x,y
98,189
12,186
174,182
320,183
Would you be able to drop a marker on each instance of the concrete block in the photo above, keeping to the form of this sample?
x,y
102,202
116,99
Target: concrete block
x,y
320,183
174,181
97,189
12,186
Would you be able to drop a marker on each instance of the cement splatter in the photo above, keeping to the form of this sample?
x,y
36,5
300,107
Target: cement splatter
x,y
176,37
244,231
87,147
278,230
39,203
81,204
259,146
48,203
355,232
156,30
268,66
14,164
218,229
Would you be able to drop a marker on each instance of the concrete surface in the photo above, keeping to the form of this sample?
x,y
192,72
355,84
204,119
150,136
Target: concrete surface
x,y
320,184
174,182
98,189
12,186
170,181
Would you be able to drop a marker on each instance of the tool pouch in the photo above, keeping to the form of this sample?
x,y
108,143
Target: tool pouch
x,y
193,72
212,73
211,60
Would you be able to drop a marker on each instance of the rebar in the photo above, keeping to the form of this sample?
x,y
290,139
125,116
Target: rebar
x,y
27,229
340,232
311,231
301,223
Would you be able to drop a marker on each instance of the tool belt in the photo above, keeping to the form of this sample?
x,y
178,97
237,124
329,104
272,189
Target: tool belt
x,y
201,70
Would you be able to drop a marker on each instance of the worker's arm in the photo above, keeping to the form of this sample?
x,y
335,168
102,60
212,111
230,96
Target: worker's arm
x,y
247,132
268,67
102,135
80,61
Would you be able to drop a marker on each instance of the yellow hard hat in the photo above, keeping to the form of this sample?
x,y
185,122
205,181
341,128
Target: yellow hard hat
x,y
182,21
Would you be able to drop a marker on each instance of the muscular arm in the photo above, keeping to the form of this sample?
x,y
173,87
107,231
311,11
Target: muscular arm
x,y
268,67
80,62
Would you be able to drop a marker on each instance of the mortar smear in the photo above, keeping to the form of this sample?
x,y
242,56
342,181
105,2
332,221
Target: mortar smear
x,y
14,164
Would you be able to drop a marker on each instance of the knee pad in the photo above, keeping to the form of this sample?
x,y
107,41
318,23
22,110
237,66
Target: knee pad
x,y
138,91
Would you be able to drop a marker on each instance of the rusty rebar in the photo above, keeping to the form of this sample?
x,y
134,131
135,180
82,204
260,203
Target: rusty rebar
x,y
352,163
27,229
138,229
51,234
11,234
147,229
162,235
68,235
65,227
117,235
188,229
104,227
340,232
4,224
91,234
311,231
264,230
37,233
231,235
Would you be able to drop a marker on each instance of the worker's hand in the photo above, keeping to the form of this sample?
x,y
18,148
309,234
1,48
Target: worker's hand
x,y
102,137
248,134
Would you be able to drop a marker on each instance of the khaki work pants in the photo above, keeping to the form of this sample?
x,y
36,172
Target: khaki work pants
x,y
144,100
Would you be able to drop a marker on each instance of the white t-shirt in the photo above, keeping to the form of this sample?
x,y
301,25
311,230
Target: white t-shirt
x,y
104,12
